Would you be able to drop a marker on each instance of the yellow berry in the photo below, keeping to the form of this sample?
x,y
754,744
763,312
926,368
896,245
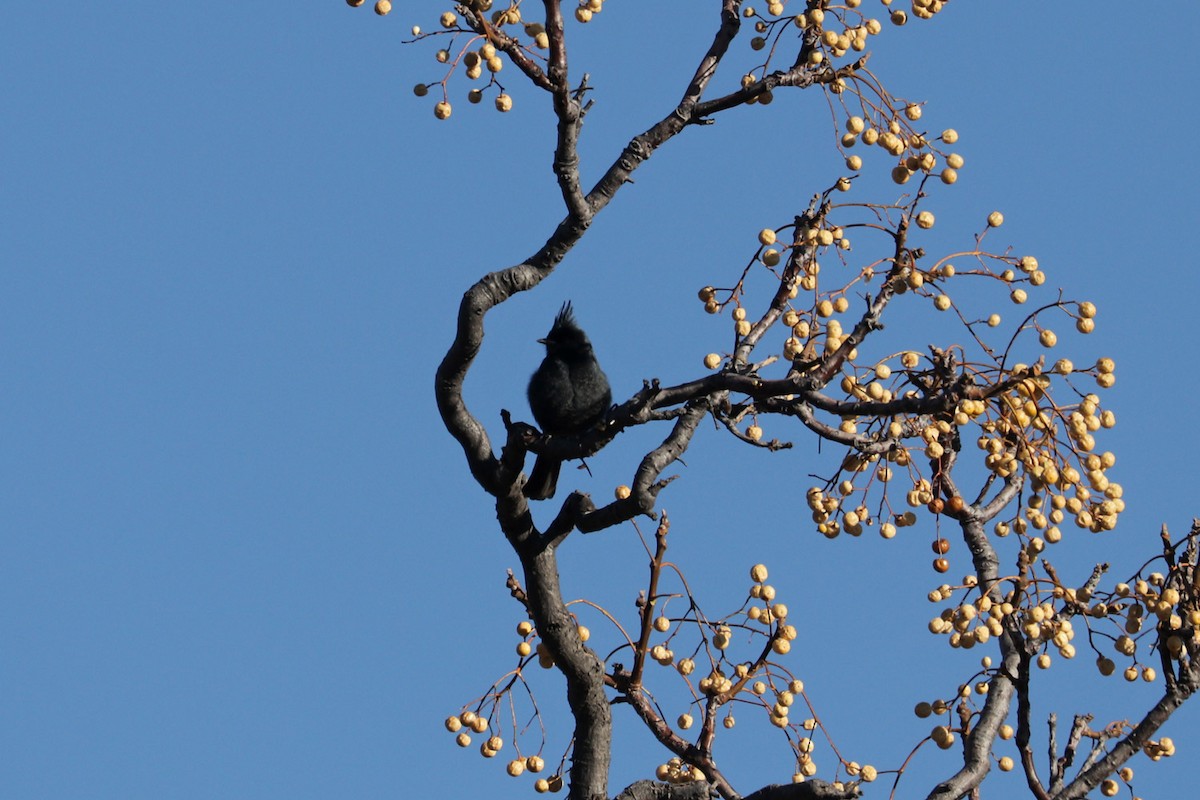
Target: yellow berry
x,y
383,7
503,102
712,361
942,736
442,110
995,219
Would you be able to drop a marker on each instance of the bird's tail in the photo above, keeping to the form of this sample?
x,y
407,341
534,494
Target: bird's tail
x,y
543,480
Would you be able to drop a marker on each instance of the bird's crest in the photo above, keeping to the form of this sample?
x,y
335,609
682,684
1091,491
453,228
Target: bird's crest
x,y
565,334
566,317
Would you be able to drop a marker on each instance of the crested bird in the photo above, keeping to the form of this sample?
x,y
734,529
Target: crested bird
x,y
568,394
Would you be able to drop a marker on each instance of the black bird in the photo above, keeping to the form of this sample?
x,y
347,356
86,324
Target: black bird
x,y
568,394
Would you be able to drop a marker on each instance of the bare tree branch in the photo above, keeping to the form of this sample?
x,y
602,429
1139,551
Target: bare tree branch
x,y
977,748
1128,747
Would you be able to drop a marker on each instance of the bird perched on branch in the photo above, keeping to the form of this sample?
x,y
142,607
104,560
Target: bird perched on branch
x,y
568,394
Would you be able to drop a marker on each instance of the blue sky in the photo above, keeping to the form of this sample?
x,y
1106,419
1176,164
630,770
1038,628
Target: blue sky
x,y
242,558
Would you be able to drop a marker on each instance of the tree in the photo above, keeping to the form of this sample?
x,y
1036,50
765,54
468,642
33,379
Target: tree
x,y
981,434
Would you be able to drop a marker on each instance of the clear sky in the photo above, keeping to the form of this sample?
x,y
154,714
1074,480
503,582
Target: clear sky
x,y
240,555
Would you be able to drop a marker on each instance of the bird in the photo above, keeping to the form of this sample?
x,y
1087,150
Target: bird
x,y
568,394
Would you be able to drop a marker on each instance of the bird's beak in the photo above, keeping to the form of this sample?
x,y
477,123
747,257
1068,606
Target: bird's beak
x,y
542,341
